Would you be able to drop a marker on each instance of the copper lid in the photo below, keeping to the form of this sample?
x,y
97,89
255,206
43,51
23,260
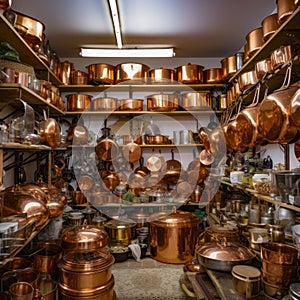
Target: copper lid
x,y
84,238
174,218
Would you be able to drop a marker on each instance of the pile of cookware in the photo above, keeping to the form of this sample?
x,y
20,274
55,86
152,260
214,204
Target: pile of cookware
x,y
86,268
279,268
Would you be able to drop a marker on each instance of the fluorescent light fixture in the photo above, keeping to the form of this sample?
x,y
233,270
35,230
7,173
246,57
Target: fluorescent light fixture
x,y
157,52
116,22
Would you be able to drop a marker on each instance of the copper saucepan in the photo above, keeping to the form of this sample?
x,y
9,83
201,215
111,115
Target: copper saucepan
x,y
157,139
107,149
254,41
229,66
161,76
135,72
50,132
162,102
212,75
132,152
131,104
196,101
105,104
101,74
78,102
190,73
269,26
79,78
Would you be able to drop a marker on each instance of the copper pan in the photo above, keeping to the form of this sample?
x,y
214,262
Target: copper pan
x,y
281,55
35,28
162,76
229,66
269,26
50,132
196,101
135,72
107,149
274,117
254,40
101,74
105,104
295,110
213,75
263,67
132,152
246,80
285,8
158,139
79,78
131,104
233,139
162,102
173,169
190,73
78,102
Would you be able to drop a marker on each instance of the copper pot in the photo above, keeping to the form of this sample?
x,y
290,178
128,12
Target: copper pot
x,y
132,152
173,236
162,102
101,74
105,104
131,104
161,76
78,102
229,67
213,75
295,110
50,132
102,292
190,73
107,149
263,67
35,28
269,26
79,78
274,121
5,4
84,238
86,271
247,79
196,101
158,139
66,70
281,56
285,8
135,72
233,140
255,41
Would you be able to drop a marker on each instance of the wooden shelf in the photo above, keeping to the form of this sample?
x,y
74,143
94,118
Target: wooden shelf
x,y
144,146
286,34
21,147
141,88
26,54
10,92
258,195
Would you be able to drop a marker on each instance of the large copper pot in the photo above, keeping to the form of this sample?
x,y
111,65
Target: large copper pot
x,y
173,236
88,270
135,72
212,75
233,139
274,117
105,104
101,74
131,104
295,110
190,73
161,76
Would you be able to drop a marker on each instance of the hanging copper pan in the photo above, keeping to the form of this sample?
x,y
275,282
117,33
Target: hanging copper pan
x,y
274,118
107,149
295,110
132,152
233,139
173,169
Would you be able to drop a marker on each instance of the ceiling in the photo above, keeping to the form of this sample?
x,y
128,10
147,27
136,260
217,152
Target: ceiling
x,y
195,28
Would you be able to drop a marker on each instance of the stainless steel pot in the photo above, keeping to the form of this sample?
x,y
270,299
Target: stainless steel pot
x,y
173,236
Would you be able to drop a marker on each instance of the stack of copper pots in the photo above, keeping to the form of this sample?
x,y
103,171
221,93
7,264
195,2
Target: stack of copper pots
x,y
86,269
279,268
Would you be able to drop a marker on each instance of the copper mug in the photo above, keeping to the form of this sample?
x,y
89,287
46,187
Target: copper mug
x,y
21,291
